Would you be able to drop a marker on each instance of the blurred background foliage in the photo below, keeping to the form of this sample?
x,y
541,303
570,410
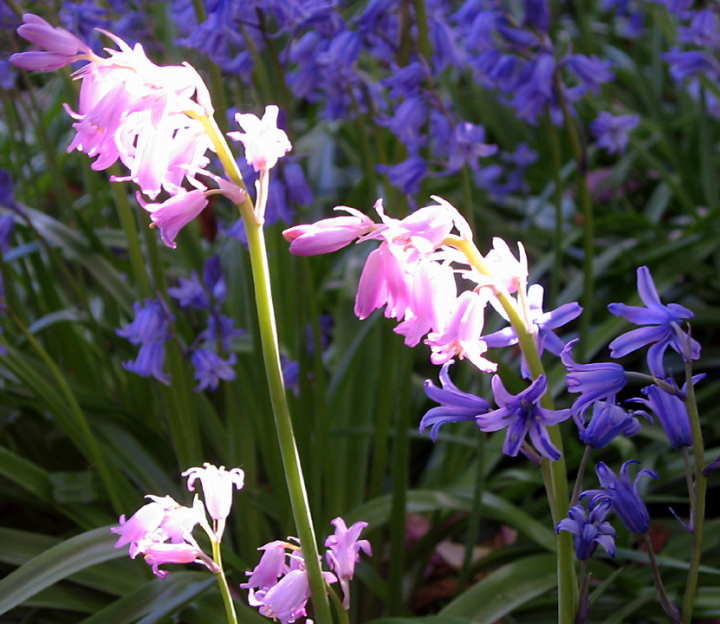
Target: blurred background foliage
x,y
82,439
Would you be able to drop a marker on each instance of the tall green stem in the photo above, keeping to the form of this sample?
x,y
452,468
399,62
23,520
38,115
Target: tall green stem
x,y
222,583
283,423
698,514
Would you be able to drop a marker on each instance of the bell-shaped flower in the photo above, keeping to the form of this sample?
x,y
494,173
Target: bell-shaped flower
x,y
328,235
608,421
217,484
663,327
175,213
150,324
271,567
385,280
523,415
594,382
159,553
149,362
60,46
432,296
344,552
455,405
623,496
264,142
190,293
671,412
142,524
461,335
589,530
510,271
210,368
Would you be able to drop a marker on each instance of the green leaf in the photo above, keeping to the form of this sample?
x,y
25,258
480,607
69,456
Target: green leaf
x,y
430,619
505,589
57,563
68,598
154,600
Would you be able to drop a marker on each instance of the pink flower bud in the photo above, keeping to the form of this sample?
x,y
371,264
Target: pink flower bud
x,y
61,47
175,213
328,235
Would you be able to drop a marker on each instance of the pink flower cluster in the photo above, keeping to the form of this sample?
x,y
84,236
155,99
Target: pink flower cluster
x,y
412,273
279,585
161,531
151,119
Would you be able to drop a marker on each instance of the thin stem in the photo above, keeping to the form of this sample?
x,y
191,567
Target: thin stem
x,y
698,520
667,606
339,609
283,422
558,239
579,479
690,485
222,583
584,600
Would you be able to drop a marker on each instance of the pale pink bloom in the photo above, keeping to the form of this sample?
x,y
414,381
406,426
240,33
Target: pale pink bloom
x,y
175,213
217,484
179,522
143,523
328,235
271,567
62,47
432,297
264,142
503,265
385,280
461,337
344,553
158,553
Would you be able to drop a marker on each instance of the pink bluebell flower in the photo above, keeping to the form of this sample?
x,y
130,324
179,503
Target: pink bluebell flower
x,y
623,496
60,46
217,484
455,405
328,235
344,552
523,415
271,567
590,529
662,327
264,142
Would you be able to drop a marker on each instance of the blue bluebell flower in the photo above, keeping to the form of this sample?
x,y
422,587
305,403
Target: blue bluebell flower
x,y
149,362
623,496
407,121
703,30
590,70
455,405
407,175
594,382
7,75
296,184
537,15
691,63
190,293
523,415
544,323
467,145
445,50
589,530
608,421
83,19
222,326
404,82
214,279
210,368
290,373
7,225
663,329
150,324
671,412
611,131
7,195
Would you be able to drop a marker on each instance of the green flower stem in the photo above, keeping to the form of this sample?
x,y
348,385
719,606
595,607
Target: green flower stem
x,y
665,602
283,423
422,29
222,583
339,609
554,472
579,479
558,239
698,513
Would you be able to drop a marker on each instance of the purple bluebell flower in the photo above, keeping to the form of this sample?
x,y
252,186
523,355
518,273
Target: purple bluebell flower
x,y
623,496
407,121
7,75
480,35
703,30
544,323
589,530
537,15
608,421
224,327
291,374
455,405
611,131
445,50
150,324
671,412
210,368
271,567
406,175
523,415
190,293
344,552
405,81
7,225
535,90
590,70
149,362
83,19
467,145
691,63
7,196
373,12
214,279
663,329
296,184
594,382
